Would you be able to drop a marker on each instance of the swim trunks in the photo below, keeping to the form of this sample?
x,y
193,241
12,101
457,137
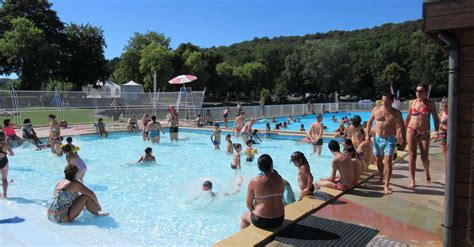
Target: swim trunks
x,y
384,146
154,133
216,143
261,222
318,142
249,159
174,129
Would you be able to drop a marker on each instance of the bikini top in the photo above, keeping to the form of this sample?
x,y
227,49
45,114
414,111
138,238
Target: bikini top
x,y
267,196
444,118
415,112
9,131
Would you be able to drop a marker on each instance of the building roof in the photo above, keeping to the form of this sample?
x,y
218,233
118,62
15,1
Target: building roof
x,y
132,83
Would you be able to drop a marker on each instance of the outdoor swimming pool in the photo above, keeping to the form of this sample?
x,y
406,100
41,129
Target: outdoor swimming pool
x,y
309,119
149,203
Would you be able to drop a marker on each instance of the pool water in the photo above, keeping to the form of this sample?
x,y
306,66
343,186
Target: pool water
x,y
310,119
150,204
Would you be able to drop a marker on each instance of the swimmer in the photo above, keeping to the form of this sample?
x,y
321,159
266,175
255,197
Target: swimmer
x,y
132,126
334,119
249,151
4,150
207,189
100,128
145,120
69,141
148,157
216,137
229,148
74,159
305,178
302,128
285,125
254,137
153,128
236,161
267,130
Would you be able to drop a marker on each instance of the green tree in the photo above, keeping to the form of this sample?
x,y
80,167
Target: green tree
x,y
156,58
85,62
52,85
129,65
26,53
393,75
266,96
251,76
44,19
196,65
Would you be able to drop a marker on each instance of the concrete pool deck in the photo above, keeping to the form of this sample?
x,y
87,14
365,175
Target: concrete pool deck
x,y
407,216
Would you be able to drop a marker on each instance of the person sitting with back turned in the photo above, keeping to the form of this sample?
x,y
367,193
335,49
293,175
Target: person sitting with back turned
x,y
305,178
342,164
265,197
71,197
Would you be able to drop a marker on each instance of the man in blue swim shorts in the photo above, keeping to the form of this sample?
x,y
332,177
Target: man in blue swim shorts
x,y
389,130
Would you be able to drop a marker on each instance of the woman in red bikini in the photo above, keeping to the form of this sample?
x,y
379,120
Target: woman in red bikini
x,y
418,130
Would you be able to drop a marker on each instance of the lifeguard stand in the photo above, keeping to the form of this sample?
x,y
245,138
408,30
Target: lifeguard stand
x,y
186,101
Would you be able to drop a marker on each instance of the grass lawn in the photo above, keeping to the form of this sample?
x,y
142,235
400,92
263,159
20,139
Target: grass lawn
x,y
39,116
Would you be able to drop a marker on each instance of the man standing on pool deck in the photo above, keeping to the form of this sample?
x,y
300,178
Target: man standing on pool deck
x,y
173,119
387,121
315,135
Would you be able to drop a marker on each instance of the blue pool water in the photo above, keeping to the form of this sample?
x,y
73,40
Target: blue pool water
x,y
309,119
149,203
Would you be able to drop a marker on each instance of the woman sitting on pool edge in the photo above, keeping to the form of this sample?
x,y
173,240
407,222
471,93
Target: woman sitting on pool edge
x,y
265,197
70,197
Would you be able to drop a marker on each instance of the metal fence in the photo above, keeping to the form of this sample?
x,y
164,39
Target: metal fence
x,y
83,107
293,109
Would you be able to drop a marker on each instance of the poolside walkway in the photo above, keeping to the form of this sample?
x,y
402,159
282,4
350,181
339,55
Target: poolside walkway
x,y
407,217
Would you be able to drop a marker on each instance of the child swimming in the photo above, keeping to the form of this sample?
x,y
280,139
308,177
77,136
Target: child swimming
x,y
148,157
216,137
230,147
236,161
302,128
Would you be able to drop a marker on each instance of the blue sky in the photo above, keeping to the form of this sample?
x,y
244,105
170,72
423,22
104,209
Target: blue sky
x,y
223,22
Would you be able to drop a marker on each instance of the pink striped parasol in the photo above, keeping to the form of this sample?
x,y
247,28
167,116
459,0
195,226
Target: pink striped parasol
x,y
182,79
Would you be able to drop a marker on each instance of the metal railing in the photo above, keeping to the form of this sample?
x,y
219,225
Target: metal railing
x,y
83,107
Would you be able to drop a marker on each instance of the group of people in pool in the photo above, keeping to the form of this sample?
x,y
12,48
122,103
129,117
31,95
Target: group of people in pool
x,y
265,192
265,196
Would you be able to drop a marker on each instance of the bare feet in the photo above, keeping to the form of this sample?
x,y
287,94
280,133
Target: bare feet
x,y
387,191
381,180
428,178
411,185
102,214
